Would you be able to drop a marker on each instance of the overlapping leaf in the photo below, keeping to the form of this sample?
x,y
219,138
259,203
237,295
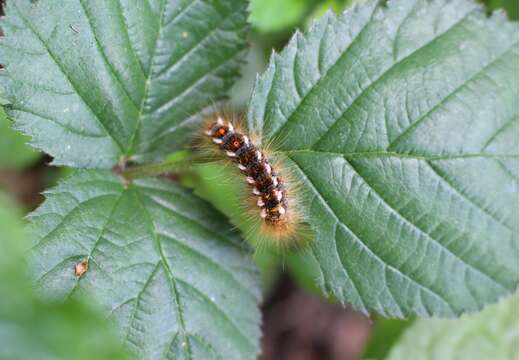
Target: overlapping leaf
x,y
401,119
162,263
491,334
91,81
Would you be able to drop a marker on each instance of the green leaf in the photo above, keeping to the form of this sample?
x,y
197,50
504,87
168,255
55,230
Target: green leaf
x,y
31,328
401,120
3,102
39,330
11,236
91,81
14,152
384,334
511,7
335,5
491,334
162,263
275,15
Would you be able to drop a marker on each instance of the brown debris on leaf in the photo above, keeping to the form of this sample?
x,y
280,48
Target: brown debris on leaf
x,y
81,268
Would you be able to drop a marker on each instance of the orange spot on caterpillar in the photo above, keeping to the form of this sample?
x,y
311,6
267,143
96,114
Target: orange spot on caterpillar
x,y
274,210
81,268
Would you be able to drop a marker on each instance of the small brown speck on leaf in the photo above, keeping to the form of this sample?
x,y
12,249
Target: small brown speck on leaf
x,y
81,268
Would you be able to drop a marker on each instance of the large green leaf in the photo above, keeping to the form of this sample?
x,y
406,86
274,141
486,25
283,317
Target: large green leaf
x,y
162,263
91,81
491,334
34,329
400,119
14,151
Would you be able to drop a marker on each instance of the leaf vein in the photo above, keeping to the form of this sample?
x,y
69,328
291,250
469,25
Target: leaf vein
x,y
102,52
364,246
426,116
386,72
134,137
194,48
427,235
324,75
450,185
60,67
169,273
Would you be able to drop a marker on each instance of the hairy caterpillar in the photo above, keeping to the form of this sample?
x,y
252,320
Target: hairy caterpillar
x,y
274,207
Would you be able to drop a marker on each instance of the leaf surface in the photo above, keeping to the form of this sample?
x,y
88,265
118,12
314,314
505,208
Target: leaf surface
x,y
91,81
162,263
491,334
401,119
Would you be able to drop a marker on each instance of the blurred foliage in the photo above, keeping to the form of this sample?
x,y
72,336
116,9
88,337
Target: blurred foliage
x,y
511,7
265,15
384,334
490,334
335,5
11,237
257,58
275,15
32,328
14,151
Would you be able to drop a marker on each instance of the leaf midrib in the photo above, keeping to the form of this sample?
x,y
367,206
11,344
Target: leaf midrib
x,y
389,71
319,81
174,280
463,261
104,57
402,155
406,220
372,83
428,161
97,241
171,278
133,139
151,76
394,143
162,105
376,256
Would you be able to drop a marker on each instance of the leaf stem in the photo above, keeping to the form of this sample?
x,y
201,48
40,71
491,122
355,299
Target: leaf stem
x,y
149,170
177,164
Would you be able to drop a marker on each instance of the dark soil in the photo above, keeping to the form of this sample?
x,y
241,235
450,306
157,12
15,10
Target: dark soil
x,y
300,326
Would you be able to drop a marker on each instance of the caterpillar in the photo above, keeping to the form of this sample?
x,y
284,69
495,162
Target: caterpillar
x,y
273,193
